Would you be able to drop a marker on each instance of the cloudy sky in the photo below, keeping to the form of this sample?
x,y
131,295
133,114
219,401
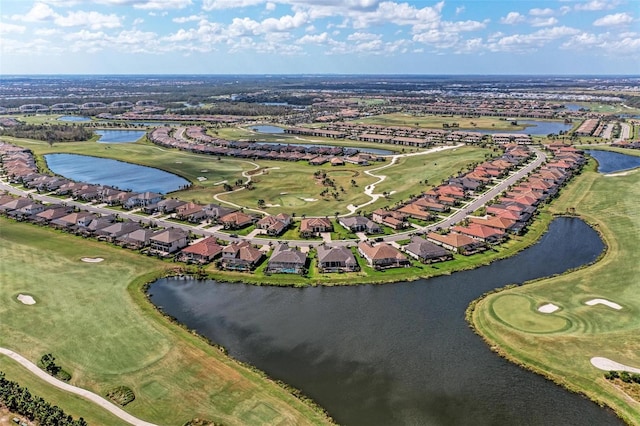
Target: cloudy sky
x,y
319,36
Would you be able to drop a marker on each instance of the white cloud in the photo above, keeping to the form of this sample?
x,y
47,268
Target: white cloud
x,y
248,26
532,41
228,4
615,19
541,12
93,20
6,28
185,19
315,39
270,6
543,22
40,12
459,10
512,18
46,32
358,36
595,5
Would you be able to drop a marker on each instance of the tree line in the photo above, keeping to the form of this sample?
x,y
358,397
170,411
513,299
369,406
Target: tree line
x,y
48,132
20,401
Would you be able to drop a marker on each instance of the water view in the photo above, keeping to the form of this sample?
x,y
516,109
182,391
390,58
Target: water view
x,y
397,353
610,162
74,118
268,129
534,127
120,136
103,171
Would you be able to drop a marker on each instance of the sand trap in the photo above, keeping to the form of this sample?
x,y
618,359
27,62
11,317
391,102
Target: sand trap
x,y
283,193
26,299
609,365
272,205
548,308
605,302
221,182
309,199
201,178
204,171
617,174
178,162
92,259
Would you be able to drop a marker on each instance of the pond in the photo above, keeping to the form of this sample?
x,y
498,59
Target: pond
x,y
104,171
120,136
611,162
534,127
74,118
397,353
268,129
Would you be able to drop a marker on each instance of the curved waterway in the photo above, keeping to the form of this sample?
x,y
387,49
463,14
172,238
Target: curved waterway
x,y
396,354
104,171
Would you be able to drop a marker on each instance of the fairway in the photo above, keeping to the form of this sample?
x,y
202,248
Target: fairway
x,y
102,330
600,304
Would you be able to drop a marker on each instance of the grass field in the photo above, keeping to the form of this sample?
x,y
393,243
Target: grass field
x,y
560,345
95,320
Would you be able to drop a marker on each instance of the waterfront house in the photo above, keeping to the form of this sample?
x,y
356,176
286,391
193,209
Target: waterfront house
x,y
287,260
426,251
457,243
169,241
382,255
203,251
336,259
240,256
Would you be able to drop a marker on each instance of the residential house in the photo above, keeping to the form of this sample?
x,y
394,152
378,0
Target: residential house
x,y
138,239
382,255
190,211
51,213
274,225
360,224
287,260
204,251
457,243
336,259
315,226
72,219
426,251
482,233
393,219
215,211
169,241
236,220
116,230
142,200
415,211
240,256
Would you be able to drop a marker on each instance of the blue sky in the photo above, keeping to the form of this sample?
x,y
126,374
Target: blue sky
x,y
319,36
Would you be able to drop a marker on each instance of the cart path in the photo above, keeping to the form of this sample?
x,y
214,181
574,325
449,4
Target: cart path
x,y
97,399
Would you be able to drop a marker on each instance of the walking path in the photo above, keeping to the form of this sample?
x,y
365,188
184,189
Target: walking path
x,y
97,399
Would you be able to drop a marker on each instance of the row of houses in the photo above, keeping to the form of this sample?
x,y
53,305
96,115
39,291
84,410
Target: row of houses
x,y
406,136
442,198
196,140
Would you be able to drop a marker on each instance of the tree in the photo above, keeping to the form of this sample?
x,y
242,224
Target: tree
x,y
261,203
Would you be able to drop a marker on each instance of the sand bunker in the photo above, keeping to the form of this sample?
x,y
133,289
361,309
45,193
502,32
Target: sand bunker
x,y
178,162
92,259
309,199
548,308
26,299
283,193
609,365
201,178
605,302
204,171
617,174
272,205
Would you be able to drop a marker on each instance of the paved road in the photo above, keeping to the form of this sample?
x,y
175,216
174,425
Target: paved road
x,y
454,218
625,132
97,399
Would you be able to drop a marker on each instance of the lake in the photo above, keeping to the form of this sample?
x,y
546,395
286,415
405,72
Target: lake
x,y
534,127
393,354
104,171
610,162
74,118
120,136
268,129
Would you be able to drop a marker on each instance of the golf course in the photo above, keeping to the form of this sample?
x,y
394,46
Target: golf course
x,y
94,318
556,326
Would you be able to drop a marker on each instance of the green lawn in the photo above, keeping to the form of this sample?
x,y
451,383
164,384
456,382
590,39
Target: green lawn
x,y
436,121
560,345
95,320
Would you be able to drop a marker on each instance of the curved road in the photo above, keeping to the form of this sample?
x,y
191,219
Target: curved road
x,y
456,217
97,399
